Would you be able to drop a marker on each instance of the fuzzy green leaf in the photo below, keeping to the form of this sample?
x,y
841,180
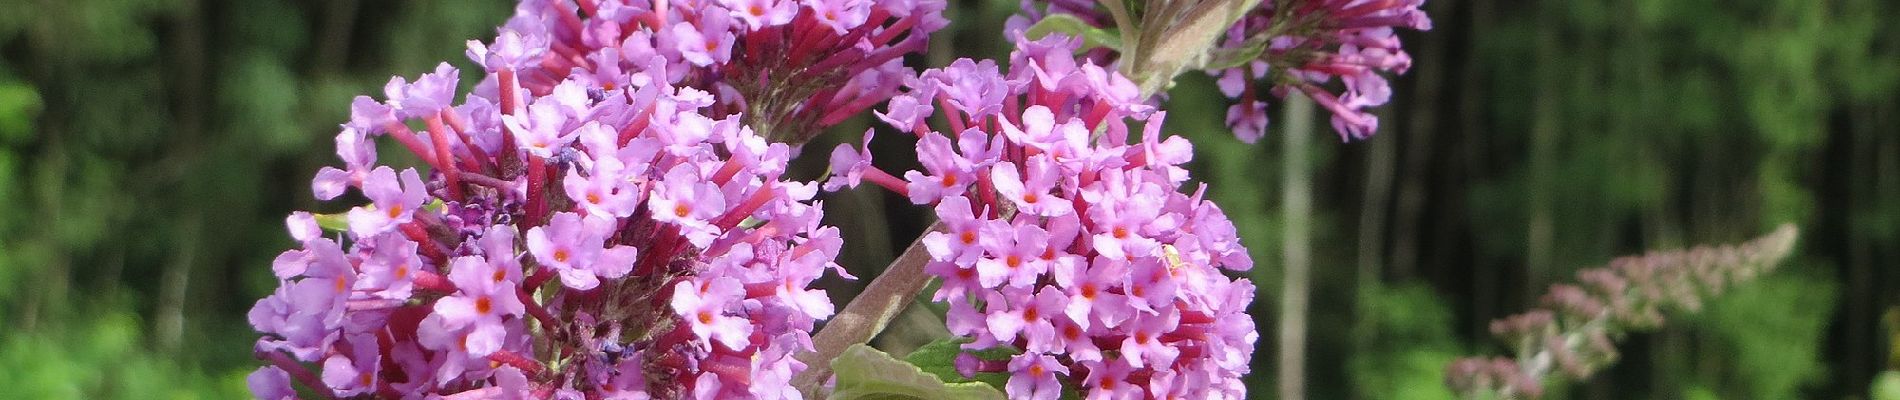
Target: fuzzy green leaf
x,y
940,358
1092,37
865,373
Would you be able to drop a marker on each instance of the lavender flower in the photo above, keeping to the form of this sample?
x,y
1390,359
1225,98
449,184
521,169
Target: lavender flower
x,y
1066,242
684,259
1574,331
1307,44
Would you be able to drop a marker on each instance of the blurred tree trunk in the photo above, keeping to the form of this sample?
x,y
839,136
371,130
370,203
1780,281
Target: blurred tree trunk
x,y
1296,208
1546,126
187,85
1474,124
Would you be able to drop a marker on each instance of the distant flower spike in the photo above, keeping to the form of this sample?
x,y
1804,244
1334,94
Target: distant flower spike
x,y
1573,332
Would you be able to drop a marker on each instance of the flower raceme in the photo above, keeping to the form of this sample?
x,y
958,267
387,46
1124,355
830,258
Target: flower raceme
x,y
597,232
1063,240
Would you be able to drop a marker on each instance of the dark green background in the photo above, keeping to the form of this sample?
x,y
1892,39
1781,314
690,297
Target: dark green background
x,y
149,150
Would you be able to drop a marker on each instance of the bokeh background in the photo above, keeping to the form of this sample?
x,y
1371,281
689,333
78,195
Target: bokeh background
x,y
149,150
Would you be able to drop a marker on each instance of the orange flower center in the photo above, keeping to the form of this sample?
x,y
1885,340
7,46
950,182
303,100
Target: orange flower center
x,y
682,210
484,305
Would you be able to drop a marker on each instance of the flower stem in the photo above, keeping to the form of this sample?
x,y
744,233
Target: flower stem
x,y
866,315
297,371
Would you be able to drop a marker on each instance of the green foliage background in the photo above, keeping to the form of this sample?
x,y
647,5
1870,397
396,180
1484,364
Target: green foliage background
x,y
149,150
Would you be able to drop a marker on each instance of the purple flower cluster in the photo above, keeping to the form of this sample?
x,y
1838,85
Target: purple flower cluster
x,y
1301,45
1063,240
683,259
790,67
1573,332
1309,43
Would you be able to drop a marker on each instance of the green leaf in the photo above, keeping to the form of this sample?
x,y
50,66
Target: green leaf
x,y
341,221
19,106
1886,386
940,358
1092,37
1220,58
865,373
332,222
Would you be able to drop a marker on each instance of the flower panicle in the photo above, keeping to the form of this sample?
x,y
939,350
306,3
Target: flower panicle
x,y
596,219
1573,333
1062,238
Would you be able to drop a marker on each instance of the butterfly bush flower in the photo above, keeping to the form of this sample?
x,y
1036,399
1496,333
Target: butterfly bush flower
x,y
590,224
1332,51
1313,43
1572,335
788,67
1065,241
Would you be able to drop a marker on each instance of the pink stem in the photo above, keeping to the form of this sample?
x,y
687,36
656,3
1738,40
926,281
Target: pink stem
x,y
432,281
445,156
297,371
528,366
